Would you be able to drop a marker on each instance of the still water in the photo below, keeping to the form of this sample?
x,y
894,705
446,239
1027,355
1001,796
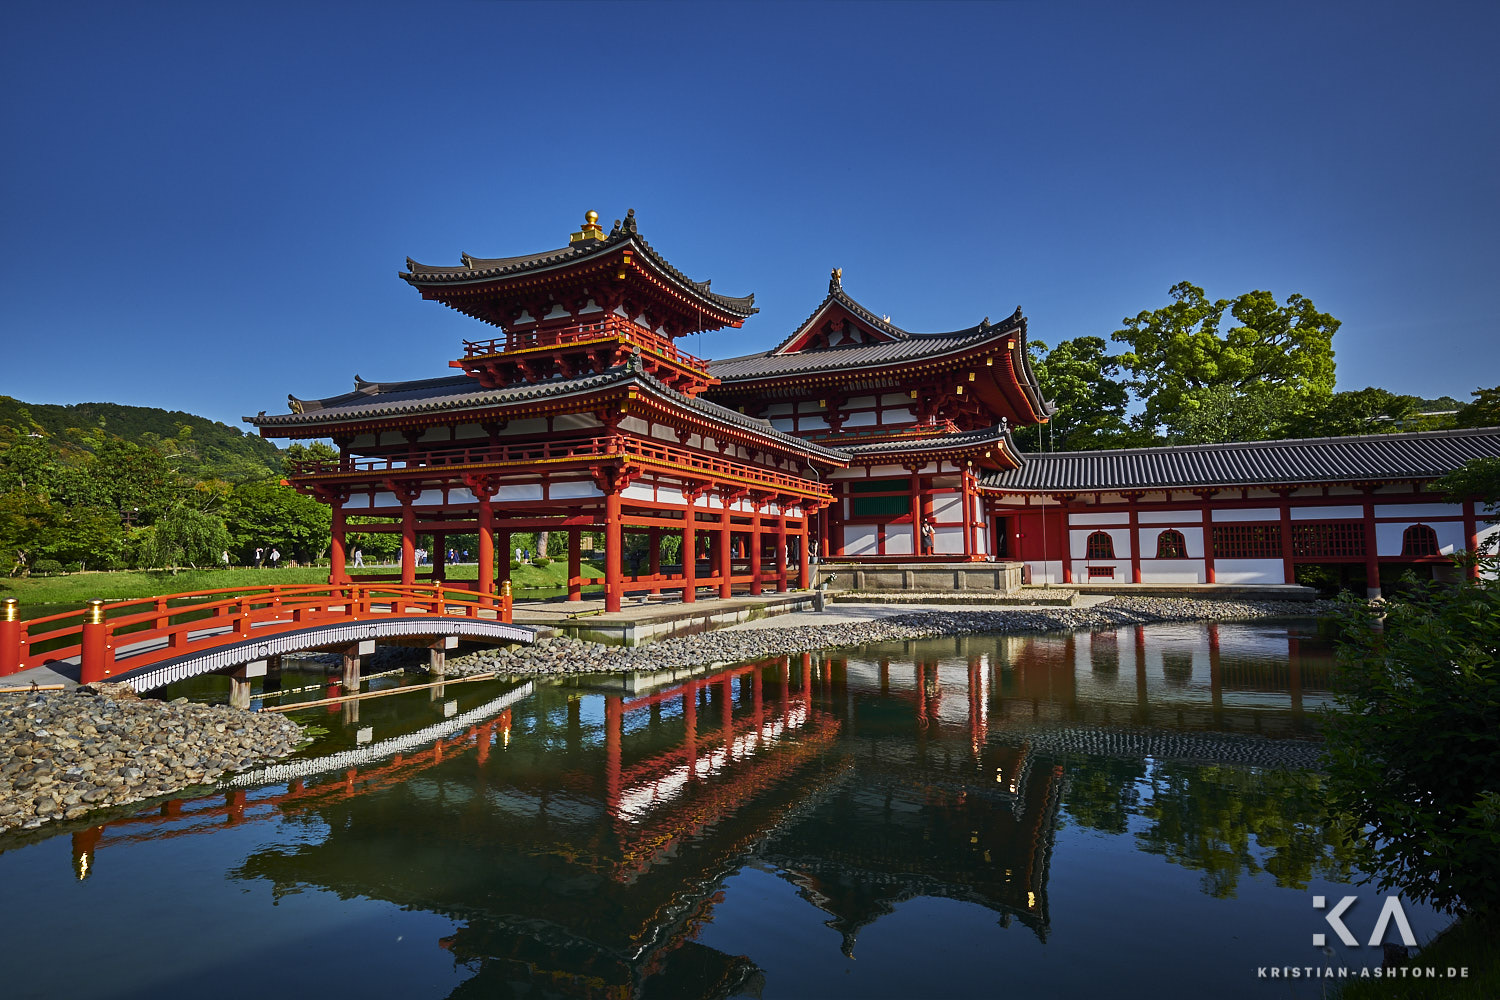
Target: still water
x,y
1130,811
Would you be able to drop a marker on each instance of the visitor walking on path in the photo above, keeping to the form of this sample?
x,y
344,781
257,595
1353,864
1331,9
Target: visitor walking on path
x,y
260,557
224,558
359,557
275,557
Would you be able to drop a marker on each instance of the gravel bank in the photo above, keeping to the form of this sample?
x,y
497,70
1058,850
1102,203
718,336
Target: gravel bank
x,y
65,753
564,655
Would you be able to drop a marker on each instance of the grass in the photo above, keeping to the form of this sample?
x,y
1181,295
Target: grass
x,y
1469,942
43,595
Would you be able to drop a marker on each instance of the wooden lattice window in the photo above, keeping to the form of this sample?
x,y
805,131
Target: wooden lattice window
x,y
1419,540
1101,546
1171,545
1328,540
1247,541
1102,572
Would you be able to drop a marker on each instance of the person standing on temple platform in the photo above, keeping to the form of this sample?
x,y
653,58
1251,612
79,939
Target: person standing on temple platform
x,y
929,538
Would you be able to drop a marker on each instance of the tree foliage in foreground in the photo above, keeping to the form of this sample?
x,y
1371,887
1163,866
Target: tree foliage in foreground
x,y
1414,753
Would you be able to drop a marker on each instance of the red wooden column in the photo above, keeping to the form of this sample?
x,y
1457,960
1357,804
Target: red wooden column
x,y
1135,538
1471,536
337,572
781,549
1208,538
614,725
755,543
690,728
725,550
614,537
1289,570
1372,557
486,539
689,549
408,543
1065,535
967,479
575,565
804,571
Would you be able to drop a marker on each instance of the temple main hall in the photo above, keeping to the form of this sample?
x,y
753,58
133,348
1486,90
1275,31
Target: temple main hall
x,y
853,442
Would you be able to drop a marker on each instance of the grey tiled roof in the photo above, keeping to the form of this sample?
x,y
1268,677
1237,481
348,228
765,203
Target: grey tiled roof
x,y
486,268
375,400
999,434
1417,455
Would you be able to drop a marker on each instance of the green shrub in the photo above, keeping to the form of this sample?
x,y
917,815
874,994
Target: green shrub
x,y
47,567
541,561
1414,755
515,564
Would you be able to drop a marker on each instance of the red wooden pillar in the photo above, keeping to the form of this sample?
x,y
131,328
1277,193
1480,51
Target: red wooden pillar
x,y
11,652
968,493
918,543
653,541
408,543
1066,538
575,565
1372,557
1135,538
614,724
690,728
486,543
1471,536
1208,541
337,573
614,537
689,551
1289,570
755,542
726,550
804,571
781,549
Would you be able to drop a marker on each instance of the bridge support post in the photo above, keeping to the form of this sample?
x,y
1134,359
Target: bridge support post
x,y
95,654
437,655
352,660
273,674
10,637
239,683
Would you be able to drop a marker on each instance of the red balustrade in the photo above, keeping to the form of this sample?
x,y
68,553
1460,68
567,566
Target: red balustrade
x,y
612,326
111,638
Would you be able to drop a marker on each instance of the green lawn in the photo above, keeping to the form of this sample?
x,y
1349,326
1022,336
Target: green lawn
x,y
43,595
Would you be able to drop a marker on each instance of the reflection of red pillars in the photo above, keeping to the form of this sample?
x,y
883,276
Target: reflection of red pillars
x,y
885,677
333,691
349,777
807,679
690,727
614,725
10,637
94,659
85,842
234,800
1294,665
171,807
296,785
922,695
486,736
786,684
505,729
727,710
1140,666
757,696
1215,674
437,752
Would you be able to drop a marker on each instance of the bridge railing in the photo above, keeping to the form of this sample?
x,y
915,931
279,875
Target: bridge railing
x,y
109,638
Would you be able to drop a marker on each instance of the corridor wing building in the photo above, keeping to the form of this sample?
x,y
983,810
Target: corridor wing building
x,y
853,438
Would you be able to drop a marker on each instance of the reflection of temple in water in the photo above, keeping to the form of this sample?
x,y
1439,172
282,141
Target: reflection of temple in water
x,y
580,841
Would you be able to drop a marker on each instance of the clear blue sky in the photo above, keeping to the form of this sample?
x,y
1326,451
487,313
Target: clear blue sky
x,y
205,205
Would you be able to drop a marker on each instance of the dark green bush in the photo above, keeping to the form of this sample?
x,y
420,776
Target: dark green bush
x,y
1414,754
47,567
541,561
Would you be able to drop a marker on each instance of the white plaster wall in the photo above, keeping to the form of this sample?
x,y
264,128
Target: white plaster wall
x,y
1173,571
981,539
813,423
1121,567
860,539
1168,516
948,541
864,419
898,539
639,491
1045,572
579,421
1107,517
1419,511
667,494
1079,538
384,499
523,428
435,434
782,423
1388,537
462,495
810,406
467,432
883,471
359,501
858,401
778,409
1248,514
362,441
567,490
948,508
1326,513
893,398
898,415
1248,571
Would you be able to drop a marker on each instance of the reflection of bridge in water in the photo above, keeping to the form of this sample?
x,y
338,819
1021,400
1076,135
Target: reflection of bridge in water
x,y
580,840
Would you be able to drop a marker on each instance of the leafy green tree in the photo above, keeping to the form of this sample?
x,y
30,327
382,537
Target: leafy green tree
x,y
186,535
1082,380
1180,361
267,515
1484,411
1361,411
316,451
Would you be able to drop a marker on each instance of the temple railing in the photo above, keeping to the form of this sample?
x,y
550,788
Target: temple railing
x,y
558,450
611,326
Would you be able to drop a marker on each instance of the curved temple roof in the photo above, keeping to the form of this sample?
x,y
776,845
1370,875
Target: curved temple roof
x,y
1363,458
484,269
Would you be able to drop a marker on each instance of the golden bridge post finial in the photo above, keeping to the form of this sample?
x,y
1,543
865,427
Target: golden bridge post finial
x,y
591,229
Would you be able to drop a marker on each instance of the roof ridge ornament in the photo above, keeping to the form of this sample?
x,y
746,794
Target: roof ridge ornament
x,y
835,280
590,232
630,221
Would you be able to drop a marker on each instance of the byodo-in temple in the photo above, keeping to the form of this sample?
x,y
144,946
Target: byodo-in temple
x,y
885,453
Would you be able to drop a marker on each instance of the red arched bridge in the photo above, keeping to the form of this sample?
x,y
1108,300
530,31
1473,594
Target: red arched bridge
x,y
153,641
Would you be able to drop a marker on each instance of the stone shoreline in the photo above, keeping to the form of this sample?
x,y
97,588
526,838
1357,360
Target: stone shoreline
x,y
67,753
566,655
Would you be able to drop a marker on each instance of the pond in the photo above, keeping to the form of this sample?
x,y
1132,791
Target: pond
x,y
1133,811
